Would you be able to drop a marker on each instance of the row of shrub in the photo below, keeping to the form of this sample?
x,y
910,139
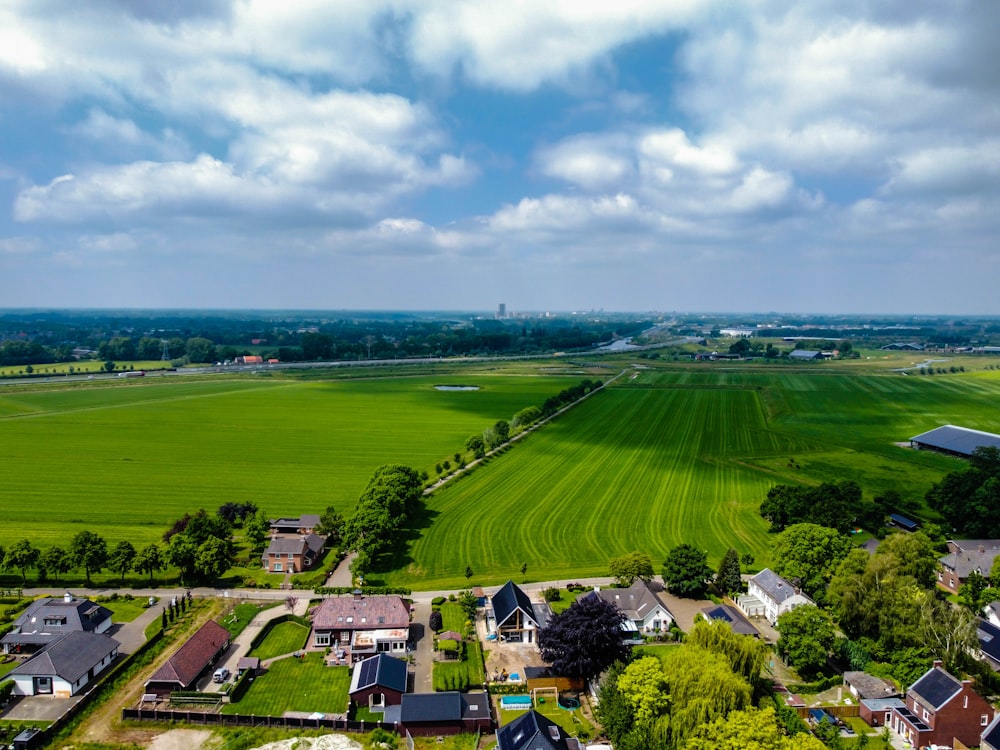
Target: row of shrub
x,y
365,590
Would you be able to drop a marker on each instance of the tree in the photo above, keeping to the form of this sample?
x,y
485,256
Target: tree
x,y
121,558
810,553
213,557
970,593
746,655
626,568
257,527
807,636
501,429
476,445
686,571
740,347
751,728
109,366
331,524
468,572
55,560
436,621
585,639
149,560
644,684
836,505
729,577
469,603
181,552
200,350
89,552
20,556
949,632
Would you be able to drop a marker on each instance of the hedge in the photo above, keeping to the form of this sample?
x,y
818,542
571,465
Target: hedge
x,y
365,590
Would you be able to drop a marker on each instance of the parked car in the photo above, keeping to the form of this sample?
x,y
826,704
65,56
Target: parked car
x,y
221,675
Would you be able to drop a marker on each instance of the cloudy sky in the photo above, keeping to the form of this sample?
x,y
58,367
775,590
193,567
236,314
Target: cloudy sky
x,y
832,155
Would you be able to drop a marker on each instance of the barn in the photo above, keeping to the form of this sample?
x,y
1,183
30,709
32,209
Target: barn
x,y
956,441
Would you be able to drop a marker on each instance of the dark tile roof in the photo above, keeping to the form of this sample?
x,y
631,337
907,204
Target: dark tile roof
x,y
935,688
70,657
774,585
49,619
380,670
637,601
991,735
963,563
196,654
310,544
532,731
988,635
733,616
361,613
508,599
431,707
957,439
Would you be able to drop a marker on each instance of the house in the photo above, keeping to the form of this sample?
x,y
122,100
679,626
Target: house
x,y
305,524
965,557
431,714
990,738
358,626
769,595
511,615
65,666
939,709
190,661
378,681
532,731
988,636
644,612
727,613
877,712
249,359
292,554
863,685
47,620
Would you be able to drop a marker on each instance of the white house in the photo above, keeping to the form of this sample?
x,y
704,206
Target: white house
x,y
644,612
769,595
66,666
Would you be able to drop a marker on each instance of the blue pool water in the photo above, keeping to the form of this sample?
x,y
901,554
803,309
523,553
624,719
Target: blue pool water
x,y
508,702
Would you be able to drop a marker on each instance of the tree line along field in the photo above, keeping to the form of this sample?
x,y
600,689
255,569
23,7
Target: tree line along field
x,y
127,459
669,454
686,455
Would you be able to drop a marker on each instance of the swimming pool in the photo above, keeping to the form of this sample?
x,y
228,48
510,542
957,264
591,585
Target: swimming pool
x,y
515,702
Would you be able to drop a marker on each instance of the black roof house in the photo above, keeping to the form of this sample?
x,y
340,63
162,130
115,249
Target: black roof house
x,y
935,688
991,735
508,600
532,731
419,712
988,636
380,670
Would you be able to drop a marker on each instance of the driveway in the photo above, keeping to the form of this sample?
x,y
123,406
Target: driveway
x,y
423,639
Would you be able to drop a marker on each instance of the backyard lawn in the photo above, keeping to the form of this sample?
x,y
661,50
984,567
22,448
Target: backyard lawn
x,y
284,638
459,675
453,617
291,684
236,620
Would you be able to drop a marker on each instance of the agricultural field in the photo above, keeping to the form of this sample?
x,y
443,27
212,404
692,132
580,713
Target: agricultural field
x,y
686,455
126,459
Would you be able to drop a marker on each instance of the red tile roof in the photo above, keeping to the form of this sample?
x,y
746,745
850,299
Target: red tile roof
x,y
196,654
363,613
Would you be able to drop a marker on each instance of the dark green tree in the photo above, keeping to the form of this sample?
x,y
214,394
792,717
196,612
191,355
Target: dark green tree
x,y
686,572
331,524
90,552
476,445
55,560
729,578
22,555
149,560
810,553
121,558
626,568
807,637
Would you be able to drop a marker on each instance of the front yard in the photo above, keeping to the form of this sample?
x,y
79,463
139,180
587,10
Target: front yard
x,y
284,638
296,684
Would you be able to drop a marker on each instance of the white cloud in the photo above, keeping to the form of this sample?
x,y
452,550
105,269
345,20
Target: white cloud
x,y
19,245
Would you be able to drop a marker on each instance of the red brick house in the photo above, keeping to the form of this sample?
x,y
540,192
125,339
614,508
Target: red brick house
x,y
965,556
292,554
378,681
939,708
359,626
199,652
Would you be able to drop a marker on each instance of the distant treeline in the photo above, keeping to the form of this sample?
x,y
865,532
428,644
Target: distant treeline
x,y
30,339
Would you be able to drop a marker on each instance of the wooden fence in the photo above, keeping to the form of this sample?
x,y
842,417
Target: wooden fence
x,y
840,712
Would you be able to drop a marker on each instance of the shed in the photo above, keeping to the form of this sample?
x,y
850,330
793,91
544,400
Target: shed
x,y
181,670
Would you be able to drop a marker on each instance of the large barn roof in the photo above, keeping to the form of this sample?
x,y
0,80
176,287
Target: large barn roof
x,y
957,439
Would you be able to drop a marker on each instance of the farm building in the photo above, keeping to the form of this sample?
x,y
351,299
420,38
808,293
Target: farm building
x,y
643,610
957,441
429,714
199,652
902,522
359,626
903,346
65,666
378,681
805,355
511,615
304,524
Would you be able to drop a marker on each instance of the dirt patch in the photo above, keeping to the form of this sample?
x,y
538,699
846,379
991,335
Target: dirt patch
x,y
181,739
512,657
326,742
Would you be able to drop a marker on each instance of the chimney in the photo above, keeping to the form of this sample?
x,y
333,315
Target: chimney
x,y
358,596
937,663
68,598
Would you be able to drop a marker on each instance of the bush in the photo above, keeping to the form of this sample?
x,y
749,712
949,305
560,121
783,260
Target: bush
x,y
6,688
438,600
447,645
552,594
436,621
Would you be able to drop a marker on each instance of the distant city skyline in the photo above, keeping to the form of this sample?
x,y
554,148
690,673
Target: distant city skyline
x,y
647,155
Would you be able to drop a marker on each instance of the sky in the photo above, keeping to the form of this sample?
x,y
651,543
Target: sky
x,y
759,155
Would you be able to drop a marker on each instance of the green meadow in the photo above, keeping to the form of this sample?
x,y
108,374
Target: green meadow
x,y
673,452
127,459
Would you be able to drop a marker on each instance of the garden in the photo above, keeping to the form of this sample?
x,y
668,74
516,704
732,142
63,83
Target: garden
x,y
296,684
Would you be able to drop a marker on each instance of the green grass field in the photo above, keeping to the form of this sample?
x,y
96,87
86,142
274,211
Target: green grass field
x,y
127,459
283,638
305,684
460,675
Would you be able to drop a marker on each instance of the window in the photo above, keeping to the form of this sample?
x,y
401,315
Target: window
x,y
322,639
926,716
277,567
984,720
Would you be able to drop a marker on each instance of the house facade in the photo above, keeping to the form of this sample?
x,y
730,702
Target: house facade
x,y
65,666
511,616
378,681
357,626
939,709
644,612
533,731
292,554
770,596
48,620
966,556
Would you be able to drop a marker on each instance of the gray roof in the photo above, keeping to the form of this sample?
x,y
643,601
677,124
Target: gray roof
x,y
295,545
380,670
869,686
967,561
972,544
727,613
991,735
803,354
935,688
636,601
509,599
70,657
774,585
882,704
431,707
49,619
957,439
